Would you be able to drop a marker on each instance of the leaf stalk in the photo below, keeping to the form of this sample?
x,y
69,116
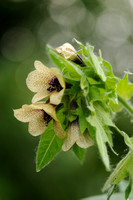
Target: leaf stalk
x,y
125,104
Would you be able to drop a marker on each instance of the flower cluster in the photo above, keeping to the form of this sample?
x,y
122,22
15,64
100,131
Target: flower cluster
x,y
50,83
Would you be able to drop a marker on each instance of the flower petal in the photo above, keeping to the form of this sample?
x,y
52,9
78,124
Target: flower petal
x,y
71,137
74,136
27,113
37,127
67,51
40,67
37,81
59,76
59,130
55,97
49,109
84,140
39,96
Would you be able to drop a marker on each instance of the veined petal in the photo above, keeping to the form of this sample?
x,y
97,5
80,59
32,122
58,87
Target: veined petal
x,y
38,115
84,140
37,81
59,130
37,127
55,97
74,136
39,96
55,70
27,113
49,109
59,76
71,137
42,68
67,51
46,82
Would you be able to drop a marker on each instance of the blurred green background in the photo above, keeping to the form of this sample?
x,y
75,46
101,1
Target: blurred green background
x,y
26,27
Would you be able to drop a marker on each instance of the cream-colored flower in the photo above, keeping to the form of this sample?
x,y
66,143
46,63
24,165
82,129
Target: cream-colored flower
x,y
46,82
69,52
74,136
39,115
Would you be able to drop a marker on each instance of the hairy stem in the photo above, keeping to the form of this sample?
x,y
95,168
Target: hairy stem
x,y
125,104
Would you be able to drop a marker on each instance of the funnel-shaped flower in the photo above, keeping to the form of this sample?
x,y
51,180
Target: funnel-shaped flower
x,y
46,82
39,115
74,136
69,52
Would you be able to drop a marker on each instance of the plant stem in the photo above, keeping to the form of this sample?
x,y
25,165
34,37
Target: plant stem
x,y
125,104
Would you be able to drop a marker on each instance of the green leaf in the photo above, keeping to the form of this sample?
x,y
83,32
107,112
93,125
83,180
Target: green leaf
x,y
128,140
71,117
124,88
82,111
83,124
88,71
108,69
103,113
92,81
79,152
101,139
84,51
111,83
122,170
84,84
74,91
101,120
91,60
49,146
115,107
96,63
69,69
123,92
111,192
96,94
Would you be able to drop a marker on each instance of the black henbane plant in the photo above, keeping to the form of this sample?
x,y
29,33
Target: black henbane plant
x,y
76,112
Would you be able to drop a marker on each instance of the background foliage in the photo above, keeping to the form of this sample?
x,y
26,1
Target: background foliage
x,y
26,27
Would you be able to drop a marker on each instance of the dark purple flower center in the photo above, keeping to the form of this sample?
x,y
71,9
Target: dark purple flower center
x,y
78,60
54,85
47,118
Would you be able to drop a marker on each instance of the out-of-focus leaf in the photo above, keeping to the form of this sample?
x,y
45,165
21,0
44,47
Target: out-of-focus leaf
x,y
116,196
128,189
49,146
111,192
